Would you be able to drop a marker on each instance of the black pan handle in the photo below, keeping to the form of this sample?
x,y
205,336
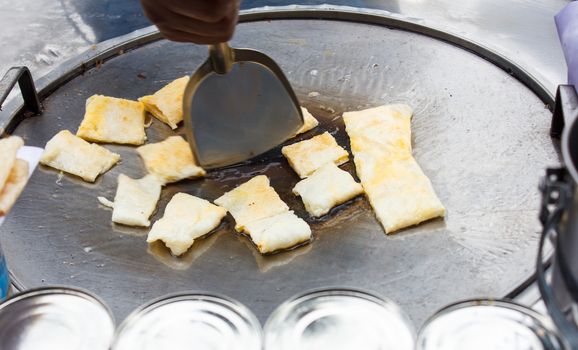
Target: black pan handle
x,y
565,110
22,76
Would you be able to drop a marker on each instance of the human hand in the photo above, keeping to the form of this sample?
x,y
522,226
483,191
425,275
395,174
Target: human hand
x,y
197,21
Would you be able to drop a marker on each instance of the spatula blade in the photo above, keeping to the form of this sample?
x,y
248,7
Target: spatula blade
x,y
235,116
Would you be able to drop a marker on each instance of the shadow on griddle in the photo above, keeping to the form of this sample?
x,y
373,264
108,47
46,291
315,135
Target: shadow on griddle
x,y
63,179
129,230
183,262
278,258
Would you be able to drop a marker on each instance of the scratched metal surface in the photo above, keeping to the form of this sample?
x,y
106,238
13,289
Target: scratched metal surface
x,y
480,135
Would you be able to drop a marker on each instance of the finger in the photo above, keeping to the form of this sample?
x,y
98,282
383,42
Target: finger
x,y
165,19
209,11
178,27
171,31
225,26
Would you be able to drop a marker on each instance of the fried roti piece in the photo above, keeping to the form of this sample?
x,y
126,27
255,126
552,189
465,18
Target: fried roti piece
x,y
309,122
254,200
113,120
170,160
327,187
135,200
13,186
278,232
73,155
9,146
309,155
400,193
259,211
167,104
185,219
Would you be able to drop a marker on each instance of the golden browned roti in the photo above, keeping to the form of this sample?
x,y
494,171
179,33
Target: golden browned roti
x,y
309,122
309,155
135,200
186,218
259,211
113,120
13,186
73,155
327,187
170,160
253,200
8,148
167,103
399,192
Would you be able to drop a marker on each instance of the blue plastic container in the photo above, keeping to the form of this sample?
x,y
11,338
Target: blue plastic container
x,y
4,281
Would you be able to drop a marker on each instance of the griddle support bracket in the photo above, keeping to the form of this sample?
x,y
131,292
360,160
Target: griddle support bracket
x,y
556,194
565,110
22,76
557,190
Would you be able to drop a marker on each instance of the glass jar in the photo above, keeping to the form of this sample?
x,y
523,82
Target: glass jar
x,y
339,319
485,324
58,318
190,321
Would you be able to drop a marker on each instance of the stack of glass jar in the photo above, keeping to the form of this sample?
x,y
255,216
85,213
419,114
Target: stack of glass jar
x,y
335,319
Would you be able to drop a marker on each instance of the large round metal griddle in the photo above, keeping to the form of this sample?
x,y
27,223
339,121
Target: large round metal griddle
x,y
479,134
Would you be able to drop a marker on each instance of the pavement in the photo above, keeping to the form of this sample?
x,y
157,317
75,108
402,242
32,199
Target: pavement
x,y
43,33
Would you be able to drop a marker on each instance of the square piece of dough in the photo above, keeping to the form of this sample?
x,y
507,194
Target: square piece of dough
x,y
309,122
135,200
384,129
167,104
252,201
170,160
399,192
309,155
113,120
185,219
327,187
73,155
8,148
13,186
277,232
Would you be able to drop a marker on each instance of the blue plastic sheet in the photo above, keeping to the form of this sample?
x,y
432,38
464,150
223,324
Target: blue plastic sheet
x,y
4,283
567,23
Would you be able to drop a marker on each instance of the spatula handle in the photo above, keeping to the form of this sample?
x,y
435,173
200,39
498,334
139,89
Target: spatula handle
x,y
221,56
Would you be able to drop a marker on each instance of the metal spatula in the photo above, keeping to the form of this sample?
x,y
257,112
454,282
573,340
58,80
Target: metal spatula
x,y
237,105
